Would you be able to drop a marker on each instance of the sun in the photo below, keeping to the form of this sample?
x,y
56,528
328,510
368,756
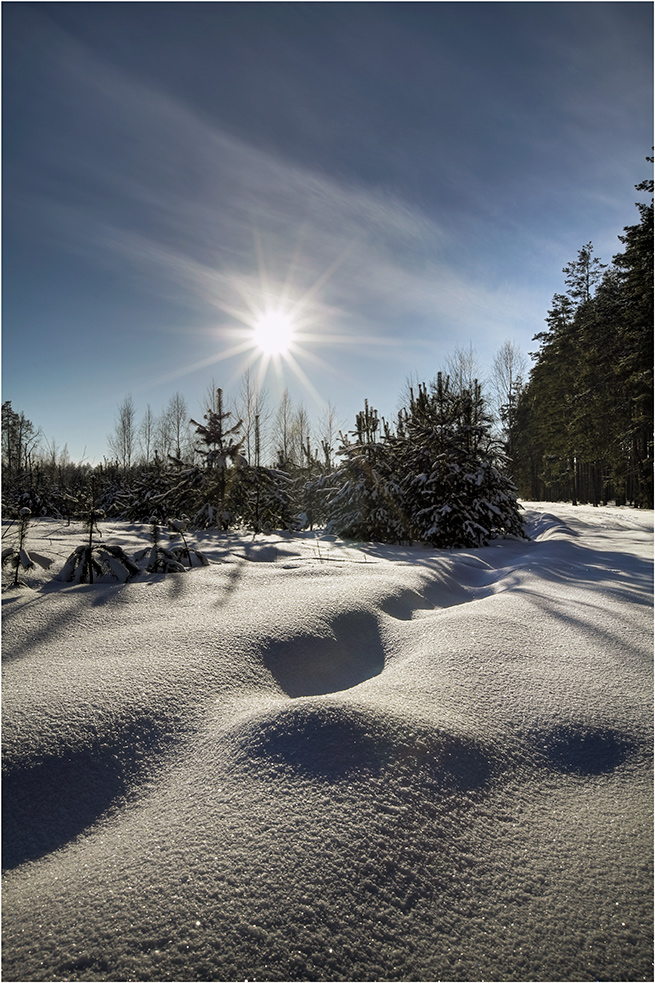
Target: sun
x,y
273,332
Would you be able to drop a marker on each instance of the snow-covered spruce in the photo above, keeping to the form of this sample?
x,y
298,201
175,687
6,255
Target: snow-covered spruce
x,y
437,479
160,558
93,561
185,553
87,564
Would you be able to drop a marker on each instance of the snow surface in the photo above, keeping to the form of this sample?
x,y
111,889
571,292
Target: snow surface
x,y
315,760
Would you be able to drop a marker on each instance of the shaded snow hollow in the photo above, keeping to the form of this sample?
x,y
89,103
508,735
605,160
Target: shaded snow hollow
x,y
314,760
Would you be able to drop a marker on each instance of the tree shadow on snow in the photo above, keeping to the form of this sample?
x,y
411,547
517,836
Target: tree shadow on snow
x,y
234,571
48,802
578,751
58,622
335,743
625,577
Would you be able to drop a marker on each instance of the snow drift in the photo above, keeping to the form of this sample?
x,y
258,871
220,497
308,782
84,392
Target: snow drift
x,y
314,760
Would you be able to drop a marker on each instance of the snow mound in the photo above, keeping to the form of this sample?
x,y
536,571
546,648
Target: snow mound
x,y
334,742
543,525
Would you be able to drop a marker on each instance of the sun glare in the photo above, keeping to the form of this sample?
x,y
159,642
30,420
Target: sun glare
x,y
277,323
273,332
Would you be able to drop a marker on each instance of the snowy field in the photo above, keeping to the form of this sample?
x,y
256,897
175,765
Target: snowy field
x,y
314,760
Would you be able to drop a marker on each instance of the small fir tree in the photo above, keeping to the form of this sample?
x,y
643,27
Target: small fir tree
x,y
96,560
18,556
185,553
160,559
222,453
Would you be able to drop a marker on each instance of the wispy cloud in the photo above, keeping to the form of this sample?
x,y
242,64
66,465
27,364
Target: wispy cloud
x,y
181,200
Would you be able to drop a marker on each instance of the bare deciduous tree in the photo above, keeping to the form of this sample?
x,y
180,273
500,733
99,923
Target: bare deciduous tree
x,y
122,439
301,436
162,437
507,379
282,428
251,403
411,387
328,431
147,433
463,367
178,424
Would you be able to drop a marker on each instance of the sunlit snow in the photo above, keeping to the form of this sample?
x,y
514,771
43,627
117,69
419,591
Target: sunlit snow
x,y
319,760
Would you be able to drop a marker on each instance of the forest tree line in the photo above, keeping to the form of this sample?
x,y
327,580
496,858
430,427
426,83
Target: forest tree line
x,y
581,428
578,426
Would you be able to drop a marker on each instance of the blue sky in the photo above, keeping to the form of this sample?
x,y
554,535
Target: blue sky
x,y
411,177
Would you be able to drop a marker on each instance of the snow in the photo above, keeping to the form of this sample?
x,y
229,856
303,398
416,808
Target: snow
x,y
320,760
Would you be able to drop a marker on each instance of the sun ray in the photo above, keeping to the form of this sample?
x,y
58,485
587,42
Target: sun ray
x,y
322,279
253,357
304,379
203,363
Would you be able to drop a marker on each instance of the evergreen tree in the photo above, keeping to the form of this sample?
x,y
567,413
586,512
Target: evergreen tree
x,y
20,439
635,328
361,506
455,492
96,560
583,274
222,453
436,479
18,556
584,423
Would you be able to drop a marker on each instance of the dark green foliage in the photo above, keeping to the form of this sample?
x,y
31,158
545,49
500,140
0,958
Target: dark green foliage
x,y
154,490
363,504
583,274
457,492
263,498
583,426
305,488
437,479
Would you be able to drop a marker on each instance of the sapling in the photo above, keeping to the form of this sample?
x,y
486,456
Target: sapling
x,y
18,557
159,558
177,527
96,559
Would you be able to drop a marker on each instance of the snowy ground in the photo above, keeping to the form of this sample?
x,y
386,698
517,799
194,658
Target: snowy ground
x,y
320,761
